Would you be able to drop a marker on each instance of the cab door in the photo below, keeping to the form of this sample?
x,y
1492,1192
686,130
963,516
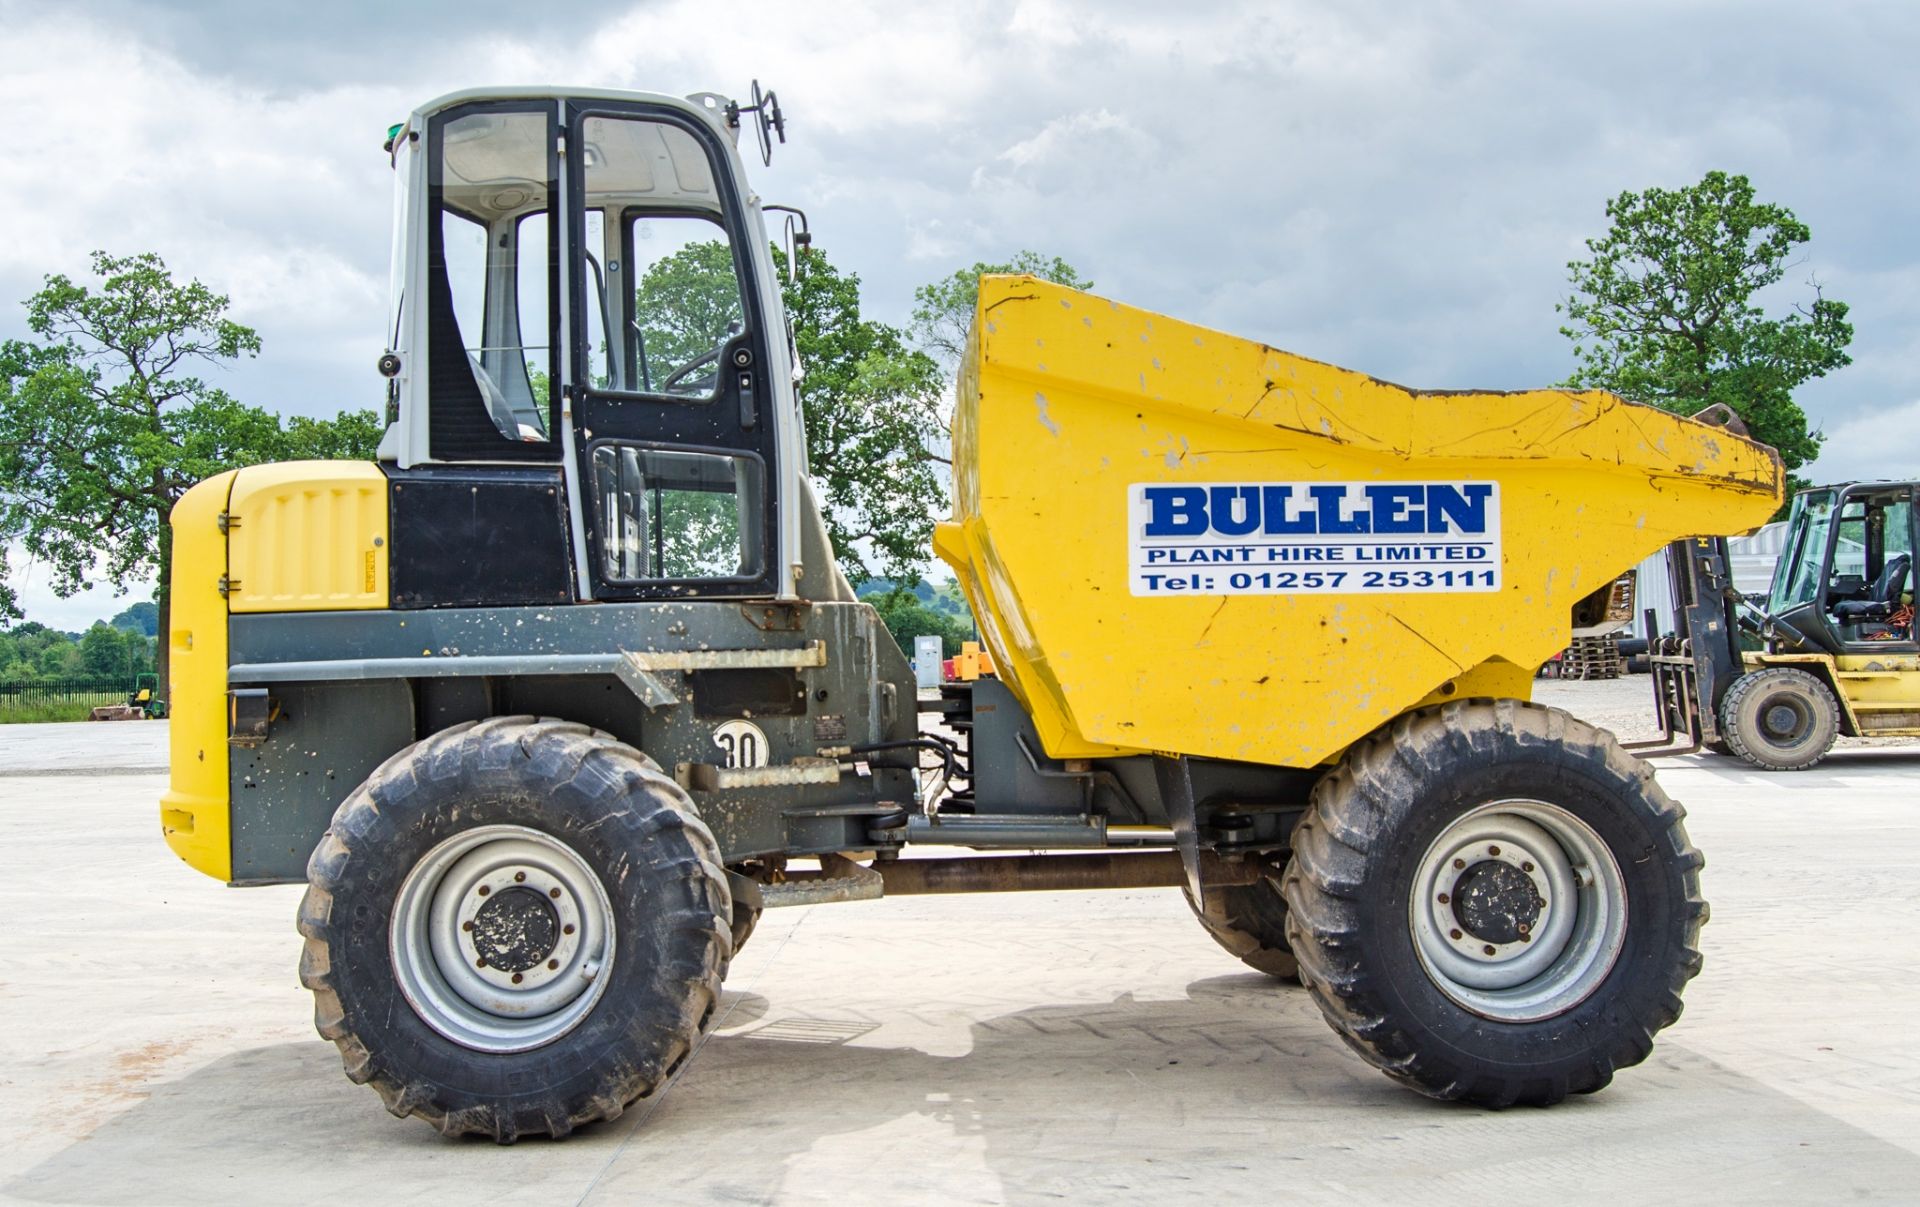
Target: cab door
x,y
672,434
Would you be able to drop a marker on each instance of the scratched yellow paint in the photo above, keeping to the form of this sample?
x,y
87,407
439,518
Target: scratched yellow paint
x,y
1067,400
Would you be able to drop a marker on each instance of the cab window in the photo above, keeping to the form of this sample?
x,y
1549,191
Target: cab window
x,y
664,298
490,276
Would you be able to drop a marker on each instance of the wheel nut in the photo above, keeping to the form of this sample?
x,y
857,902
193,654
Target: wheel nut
x,y
1453,934
1488,949
554,893
1459,863
519,877
552,964
466,926
517,978
567,929
484,890
1493,850
481,962
1443,900
1526,867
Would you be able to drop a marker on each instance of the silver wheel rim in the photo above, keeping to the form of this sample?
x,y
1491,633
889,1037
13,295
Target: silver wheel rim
x,y
444,931
1561,953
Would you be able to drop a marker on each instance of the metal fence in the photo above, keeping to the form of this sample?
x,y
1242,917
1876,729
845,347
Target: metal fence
x,y
41,693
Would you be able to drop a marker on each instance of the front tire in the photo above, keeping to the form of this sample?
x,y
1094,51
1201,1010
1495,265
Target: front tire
x,y
1780,719
515,927
1491,902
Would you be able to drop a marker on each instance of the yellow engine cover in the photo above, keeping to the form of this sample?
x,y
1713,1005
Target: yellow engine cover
x,y
1149,517
298,536
307,536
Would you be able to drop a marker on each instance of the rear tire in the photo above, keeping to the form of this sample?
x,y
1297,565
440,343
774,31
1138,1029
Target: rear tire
x,y
590,891
1492,902
1780,719
1250,922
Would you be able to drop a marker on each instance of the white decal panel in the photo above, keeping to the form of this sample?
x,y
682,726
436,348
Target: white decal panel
x,y
1313,538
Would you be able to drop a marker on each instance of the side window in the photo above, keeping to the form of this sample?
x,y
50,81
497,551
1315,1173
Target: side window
x,y
466,246
676,515
490,276
658,264
1849,575
686,302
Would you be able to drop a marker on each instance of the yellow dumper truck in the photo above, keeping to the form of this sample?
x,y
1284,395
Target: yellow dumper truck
x,y
545,706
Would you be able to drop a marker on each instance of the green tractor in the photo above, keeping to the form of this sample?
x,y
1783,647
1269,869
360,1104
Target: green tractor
x,y
145,696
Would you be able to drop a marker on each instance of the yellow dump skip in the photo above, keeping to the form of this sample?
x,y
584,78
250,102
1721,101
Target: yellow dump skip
x,y
1149,518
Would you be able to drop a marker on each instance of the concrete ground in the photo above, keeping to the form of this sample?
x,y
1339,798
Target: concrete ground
x,y
155,1046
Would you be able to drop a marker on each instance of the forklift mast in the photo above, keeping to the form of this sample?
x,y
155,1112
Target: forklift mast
x,y
1694,666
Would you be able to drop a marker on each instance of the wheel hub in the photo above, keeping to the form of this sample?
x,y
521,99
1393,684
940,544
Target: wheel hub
x,y
1496,901
1780,720
515,930
501,937
1518,910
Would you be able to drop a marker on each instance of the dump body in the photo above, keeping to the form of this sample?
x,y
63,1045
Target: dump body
x,y
1180,541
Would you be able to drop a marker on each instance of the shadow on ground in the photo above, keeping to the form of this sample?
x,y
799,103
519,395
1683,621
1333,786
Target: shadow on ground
x,y
1237,1091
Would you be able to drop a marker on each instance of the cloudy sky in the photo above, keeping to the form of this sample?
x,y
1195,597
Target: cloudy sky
x,y
1393,187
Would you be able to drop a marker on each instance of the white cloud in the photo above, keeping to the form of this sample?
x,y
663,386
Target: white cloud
x,y
1880,444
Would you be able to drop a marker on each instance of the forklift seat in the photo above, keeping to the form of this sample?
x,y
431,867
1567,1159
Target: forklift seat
x,y
1885,597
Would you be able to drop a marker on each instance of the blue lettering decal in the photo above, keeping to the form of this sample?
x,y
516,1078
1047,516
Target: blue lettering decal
x,y
1273,508
1396,508
1225,522
1328,498
1468,513
1177,511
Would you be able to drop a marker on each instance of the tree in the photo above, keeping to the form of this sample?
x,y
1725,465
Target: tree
x,y
142,618
1663,312
348,436
943,309
872,407
907,616
688,304
104,653
103,424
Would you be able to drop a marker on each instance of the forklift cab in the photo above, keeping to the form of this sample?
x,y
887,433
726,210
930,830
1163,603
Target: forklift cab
x,y
1845,580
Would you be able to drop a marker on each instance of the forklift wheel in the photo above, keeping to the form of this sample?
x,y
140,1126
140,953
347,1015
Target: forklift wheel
x,y
515,927
1491,902
1250,921
1780,719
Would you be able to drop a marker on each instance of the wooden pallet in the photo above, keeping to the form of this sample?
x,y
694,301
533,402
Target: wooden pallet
x,y
1592,658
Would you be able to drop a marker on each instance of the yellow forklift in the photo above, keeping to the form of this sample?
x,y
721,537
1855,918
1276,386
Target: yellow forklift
x,y
1837,651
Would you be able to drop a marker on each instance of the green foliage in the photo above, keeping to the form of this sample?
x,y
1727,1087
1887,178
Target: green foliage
x,y
907,616
872,407
943,310
1663,312
142,618
104,425
700,534
687,304
105,654
349,436
32,651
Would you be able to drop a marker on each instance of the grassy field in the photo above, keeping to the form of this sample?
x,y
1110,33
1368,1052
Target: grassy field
x,y
33,714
